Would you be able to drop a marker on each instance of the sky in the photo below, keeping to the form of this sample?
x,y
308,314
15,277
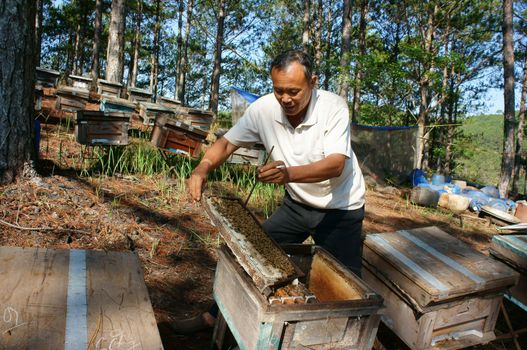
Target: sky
x,y
493,101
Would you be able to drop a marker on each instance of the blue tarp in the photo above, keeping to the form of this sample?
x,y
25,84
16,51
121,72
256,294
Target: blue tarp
x,y
246,95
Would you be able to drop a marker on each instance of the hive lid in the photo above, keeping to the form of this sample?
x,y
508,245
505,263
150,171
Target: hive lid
x,y
499,214
511,248
103,116
259,255
430,266
171,123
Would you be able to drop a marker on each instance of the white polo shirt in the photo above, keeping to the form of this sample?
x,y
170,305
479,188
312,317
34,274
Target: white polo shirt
x,y
324,131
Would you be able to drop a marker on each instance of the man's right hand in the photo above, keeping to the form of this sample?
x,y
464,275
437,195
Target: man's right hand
x,y
197,182
214,157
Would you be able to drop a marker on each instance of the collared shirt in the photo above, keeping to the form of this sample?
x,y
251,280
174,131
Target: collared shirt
x,y
325,130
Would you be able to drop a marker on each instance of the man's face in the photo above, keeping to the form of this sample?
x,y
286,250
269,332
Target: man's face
x,y
292,89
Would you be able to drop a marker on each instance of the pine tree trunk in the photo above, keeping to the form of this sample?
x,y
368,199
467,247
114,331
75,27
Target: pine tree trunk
x,y
96,44
215,84
452,119
17,77
182,79
445,96
132,77
358,68
344,79
306,27
327,71
318,37
507,161
115,52
518,161
155,53
38,30
82,38
424,99
76,58
179,46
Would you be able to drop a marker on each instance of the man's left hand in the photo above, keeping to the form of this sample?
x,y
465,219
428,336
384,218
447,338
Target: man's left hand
x,y
275,172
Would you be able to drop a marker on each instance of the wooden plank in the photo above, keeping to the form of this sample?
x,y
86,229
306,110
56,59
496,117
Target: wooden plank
x,y
328,284
46,77
120,315
240,310
512,248
433,266
32,298
518,293
40,300
139,95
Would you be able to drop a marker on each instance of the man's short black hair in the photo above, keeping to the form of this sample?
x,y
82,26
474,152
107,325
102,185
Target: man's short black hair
x,y
284,59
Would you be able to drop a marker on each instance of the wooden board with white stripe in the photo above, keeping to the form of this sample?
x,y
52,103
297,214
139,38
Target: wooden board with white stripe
x,y
431,266
512,249
36,296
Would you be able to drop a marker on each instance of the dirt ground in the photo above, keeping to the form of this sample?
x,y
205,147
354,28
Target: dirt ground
x,y
172,236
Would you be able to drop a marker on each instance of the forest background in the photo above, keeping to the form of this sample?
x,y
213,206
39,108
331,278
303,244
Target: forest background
x,y
399,63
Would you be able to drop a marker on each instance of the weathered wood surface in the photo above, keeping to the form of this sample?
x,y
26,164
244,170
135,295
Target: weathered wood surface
x,y
34,301
139,95
119,308
79,81
46,77
169,102
256,324
264,272
102,128
149,112
109,88
453,325
175,136
511,248
114,104
197,118
432,267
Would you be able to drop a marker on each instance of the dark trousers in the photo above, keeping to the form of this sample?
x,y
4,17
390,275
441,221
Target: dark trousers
x,y
337,231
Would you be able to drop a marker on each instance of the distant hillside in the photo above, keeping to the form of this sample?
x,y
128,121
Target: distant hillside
x,y
478,150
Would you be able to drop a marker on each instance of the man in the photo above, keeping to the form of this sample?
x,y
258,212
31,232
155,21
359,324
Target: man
x,y
309,132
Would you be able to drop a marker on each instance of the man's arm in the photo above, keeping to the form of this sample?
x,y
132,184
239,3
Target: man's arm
x,y
213,158
327,168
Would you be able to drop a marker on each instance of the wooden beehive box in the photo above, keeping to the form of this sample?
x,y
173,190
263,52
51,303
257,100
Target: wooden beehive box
x,y
109,88
346,315
195,117
139,95
79,81
114,104
74,299
72,99
49,111
102,128
47,77
169,102
150,111
253,156
439,293
512,250
175,136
